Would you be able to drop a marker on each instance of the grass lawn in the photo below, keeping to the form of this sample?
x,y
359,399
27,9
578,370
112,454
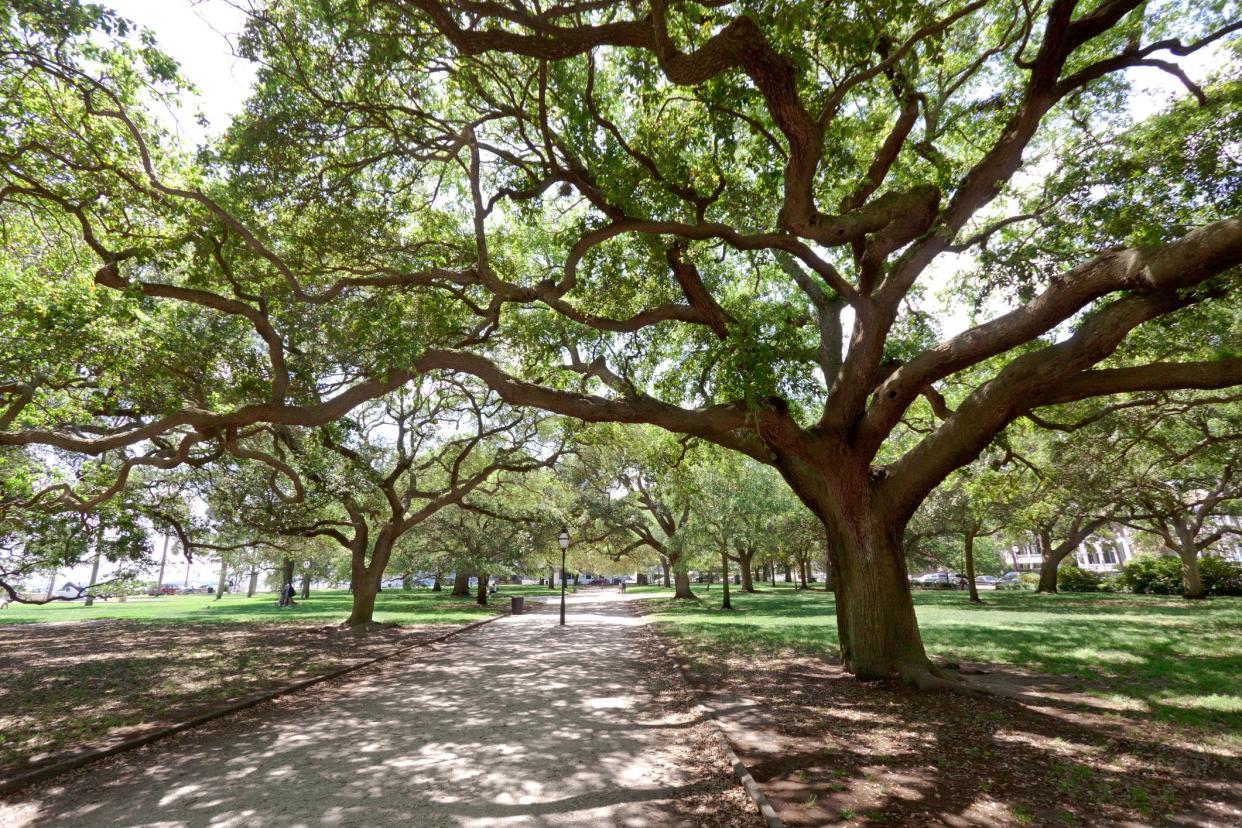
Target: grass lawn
x,y
419,606
1178,661
150,662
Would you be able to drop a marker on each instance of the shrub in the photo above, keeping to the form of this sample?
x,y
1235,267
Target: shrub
x,y
1220,577
1153,575
1073,579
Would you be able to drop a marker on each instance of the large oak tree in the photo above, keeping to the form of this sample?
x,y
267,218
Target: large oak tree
x,y
714,218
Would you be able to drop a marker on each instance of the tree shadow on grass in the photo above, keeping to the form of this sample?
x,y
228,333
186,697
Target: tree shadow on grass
x,y
828,749
1179,665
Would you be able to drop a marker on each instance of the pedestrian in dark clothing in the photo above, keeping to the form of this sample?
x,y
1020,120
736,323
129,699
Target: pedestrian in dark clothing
x,y
286,595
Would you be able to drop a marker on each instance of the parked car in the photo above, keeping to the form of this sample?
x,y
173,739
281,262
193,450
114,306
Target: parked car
x,y
1010,580
986,580
942,580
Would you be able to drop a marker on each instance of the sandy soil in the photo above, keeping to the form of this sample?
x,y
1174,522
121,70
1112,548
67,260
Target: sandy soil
x,y
518,723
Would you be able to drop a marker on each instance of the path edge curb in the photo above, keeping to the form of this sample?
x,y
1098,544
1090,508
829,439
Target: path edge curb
x,y
739,767
25,780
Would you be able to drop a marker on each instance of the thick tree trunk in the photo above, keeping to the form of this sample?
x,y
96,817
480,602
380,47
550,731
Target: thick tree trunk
x,y
665,567
970,567
222,583
788,574
435,584
363,611
876,624
1050,560
745,559
367,576
1048,575
305,585
407,581
1192,584
481,593
461,584
286,572
724,581
802,575
254,583
681,580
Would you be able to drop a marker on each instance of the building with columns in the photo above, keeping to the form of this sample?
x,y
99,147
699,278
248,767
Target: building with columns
x,y
1102,554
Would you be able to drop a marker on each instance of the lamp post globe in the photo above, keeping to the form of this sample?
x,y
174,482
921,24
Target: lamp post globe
x,y
563,539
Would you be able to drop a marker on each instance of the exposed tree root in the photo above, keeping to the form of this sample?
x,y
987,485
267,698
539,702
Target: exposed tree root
x,y
931,677
361,629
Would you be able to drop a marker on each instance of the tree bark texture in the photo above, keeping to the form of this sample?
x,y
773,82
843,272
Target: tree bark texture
x,y
681,579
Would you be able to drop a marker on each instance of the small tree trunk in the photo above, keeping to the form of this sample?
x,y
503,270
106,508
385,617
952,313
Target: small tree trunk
x,y
970,567
159,581
306,584
286,572
724,581
407,581
802,577
254,583
222,583
481,594
461,584
788,574
435,585
90,599
681,580
665,567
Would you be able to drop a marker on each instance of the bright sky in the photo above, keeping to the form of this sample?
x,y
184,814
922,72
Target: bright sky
x,y
199,35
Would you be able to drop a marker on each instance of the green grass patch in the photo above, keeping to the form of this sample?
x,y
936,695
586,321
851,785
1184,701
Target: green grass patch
x,y
419,606
1176,660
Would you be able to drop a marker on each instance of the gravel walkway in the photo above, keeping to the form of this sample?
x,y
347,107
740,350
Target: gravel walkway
x,y
518,723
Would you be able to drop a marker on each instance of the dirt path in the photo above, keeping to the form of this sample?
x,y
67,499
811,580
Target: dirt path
x,y
518,723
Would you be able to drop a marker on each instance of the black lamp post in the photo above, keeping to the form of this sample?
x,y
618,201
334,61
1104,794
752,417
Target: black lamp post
x,y
564,541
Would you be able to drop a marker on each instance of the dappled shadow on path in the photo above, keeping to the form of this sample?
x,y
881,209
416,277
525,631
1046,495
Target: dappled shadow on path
x,y
519,722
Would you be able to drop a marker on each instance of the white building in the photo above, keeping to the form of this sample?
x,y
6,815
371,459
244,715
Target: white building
x,y
1107,554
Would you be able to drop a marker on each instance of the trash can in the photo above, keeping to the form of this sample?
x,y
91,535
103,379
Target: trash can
x,y
515,604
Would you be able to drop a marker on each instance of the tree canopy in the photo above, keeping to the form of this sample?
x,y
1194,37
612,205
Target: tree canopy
x,y
722,220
